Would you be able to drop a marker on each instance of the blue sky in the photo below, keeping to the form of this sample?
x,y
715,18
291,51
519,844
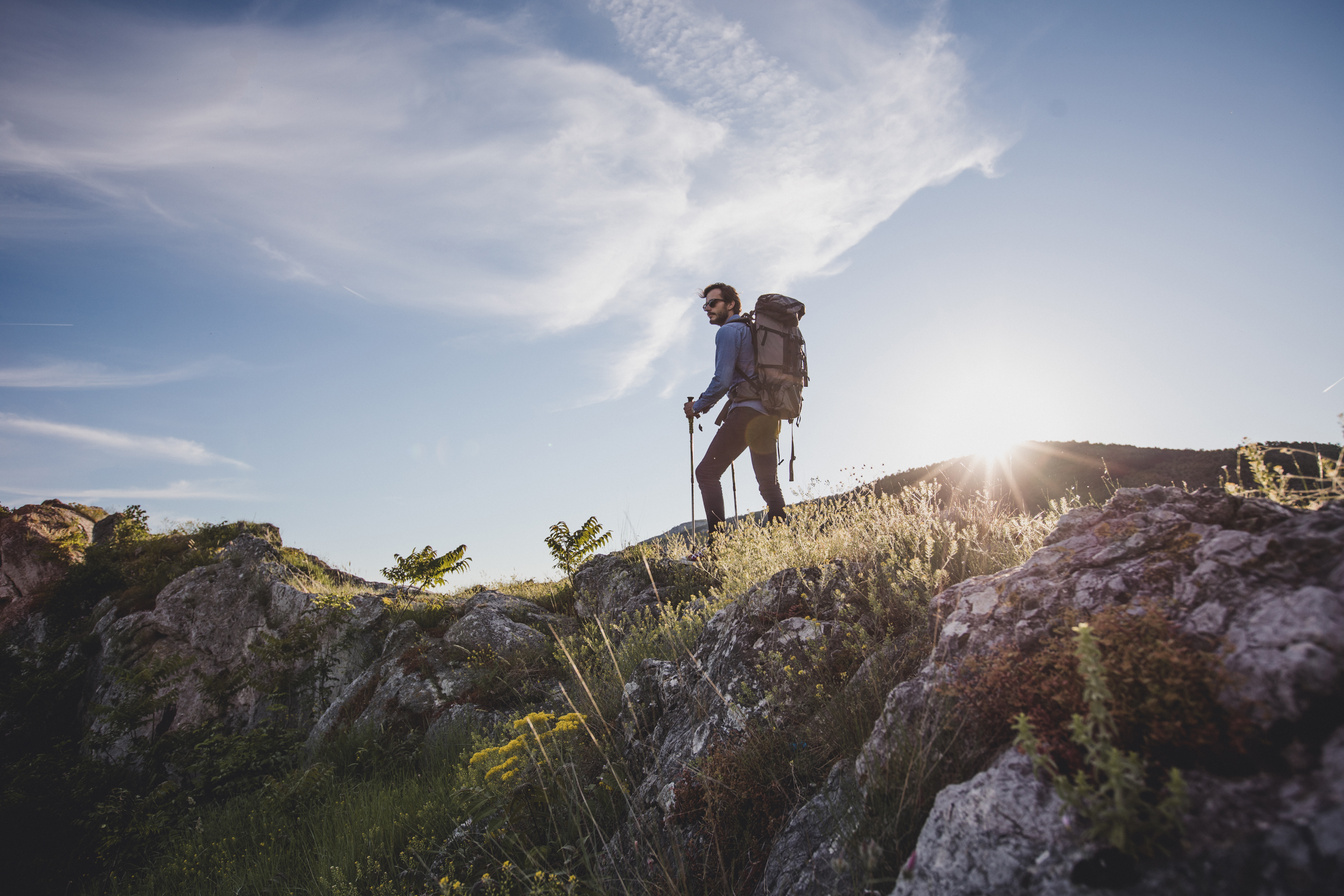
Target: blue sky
x,y
396,273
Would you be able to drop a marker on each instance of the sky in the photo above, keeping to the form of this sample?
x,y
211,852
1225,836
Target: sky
x,y
399,272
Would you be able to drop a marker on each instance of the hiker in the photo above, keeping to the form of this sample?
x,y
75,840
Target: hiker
x,y
742,423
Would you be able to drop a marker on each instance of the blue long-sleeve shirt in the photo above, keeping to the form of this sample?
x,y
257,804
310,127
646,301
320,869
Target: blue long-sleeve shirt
x,y
734,361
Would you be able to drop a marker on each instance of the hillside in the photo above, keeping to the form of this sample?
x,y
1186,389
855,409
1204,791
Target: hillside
x,y
822,711
1034,473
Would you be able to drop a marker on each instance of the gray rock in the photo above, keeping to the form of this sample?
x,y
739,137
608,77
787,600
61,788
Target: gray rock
x,y
1268,581
423,684
999,832
676,712
219,627
620,584
488,634
811,855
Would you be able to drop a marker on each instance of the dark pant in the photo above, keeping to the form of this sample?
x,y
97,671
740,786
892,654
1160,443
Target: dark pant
x,y
742,428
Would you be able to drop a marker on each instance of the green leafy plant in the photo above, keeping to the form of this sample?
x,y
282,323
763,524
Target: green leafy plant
x,y
1112,793
571,548
133,525
424,568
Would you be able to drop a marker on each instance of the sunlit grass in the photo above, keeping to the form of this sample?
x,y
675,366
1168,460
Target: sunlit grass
x,y
926,543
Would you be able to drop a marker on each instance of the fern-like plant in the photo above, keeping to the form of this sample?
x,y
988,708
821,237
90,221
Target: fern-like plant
x,y
425,568
1110,794
570,549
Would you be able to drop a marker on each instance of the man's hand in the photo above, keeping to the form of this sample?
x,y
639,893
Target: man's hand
x,y
689,408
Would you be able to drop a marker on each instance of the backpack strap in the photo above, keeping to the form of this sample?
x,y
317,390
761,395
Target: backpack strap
x,y
746,320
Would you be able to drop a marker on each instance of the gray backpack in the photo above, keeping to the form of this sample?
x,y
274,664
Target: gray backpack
x,y
781,361
781,357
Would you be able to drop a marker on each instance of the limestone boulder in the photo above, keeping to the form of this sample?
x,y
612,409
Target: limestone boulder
x,y
1262,584
498,652
677,711
229,642
621,584
38,545
1004,831
812,853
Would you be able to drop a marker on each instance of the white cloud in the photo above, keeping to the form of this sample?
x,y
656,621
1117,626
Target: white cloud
x,y
416,155
161,447
87,375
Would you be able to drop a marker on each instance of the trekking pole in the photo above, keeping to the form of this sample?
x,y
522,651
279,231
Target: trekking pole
x,y
690,428
733,468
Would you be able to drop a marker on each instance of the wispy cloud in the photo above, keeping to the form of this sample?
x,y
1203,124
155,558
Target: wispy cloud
x,y
417,155
87,375
211,489
161,447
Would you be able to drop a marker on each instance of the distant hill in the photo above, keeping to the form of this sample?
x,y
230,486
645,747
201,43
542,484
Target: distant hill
x,y
1034,473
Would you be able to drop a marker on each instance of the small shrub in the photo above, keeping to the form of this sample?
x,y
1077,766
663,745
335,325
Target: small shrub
x,y
1112,792
425,568
570,549
133,525
1165,692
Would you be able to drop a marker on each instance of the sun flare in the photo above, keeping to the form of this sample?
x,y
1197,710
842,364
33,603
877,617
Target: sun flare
x,y
997,451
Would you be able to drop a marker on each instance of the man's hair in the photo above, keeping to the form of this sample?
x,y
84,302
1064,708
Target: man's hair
x,y
727,292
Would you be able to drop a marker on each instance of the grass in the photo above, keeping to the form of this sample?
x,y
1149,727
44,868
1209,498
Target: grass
x,y
912,538
1289,476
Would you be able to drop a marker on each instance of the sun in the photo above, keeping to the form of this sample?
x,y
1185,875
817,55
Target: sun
x,y
997,452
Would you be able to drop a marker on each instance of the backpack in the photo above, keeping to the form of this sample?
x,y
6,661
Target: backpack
x,y
781,361
781,357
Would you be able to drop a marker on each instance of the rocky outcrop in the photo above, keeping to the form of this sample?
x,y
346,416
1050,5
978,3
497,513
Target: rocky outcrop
x,y
1265,581
235,643
676,712
498,652
623,584
38,545
238,642
225,642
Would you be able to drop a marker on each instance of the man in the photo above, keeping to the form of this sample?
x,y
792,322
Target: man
x,y
744,421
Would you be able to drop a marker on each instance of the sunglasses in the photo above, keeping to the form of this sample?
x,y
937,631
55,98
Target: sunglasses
x,y
708,306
